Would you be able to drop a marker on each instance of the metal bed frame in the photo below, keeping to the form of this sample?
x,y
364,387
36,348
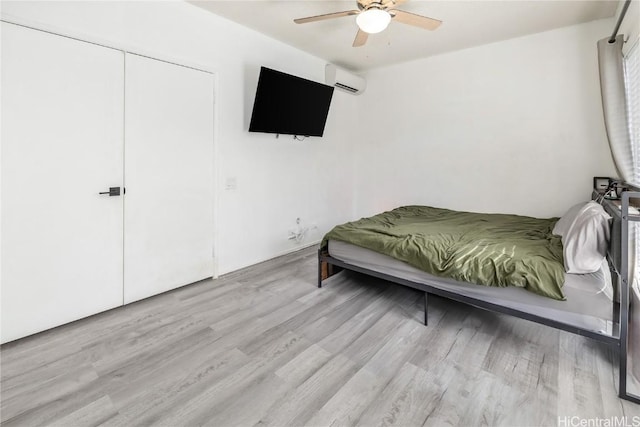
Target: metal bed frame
x,y
617,255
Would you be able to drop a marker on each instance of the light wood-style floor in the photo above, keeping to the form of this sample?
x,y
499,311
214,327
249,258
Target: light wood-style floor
x,y
264,346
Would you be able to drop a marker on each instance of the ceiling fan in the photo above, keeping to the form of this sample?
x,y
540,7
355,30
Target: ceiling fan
x,y
374,16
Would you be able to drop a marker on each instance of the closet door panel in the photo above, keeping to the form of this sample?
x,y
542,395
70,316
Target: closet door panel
x,y
168,176
62,144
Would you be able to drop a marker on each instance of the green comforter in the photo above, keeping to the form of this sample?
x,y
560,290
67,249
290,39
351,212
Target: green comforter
x,y
486,249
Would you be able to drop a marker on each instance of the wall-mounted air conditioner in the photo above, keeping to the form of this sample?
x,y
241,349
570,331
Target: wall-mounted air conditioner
x,y
344,80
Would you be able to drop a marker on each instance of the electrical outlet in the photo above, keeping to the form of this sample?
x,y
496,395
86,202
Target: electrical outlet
x,y
231,183
298,233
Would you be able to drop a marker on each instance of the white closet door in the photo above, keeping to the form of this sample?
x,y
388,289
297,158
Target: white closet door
x,y
62,137
168,176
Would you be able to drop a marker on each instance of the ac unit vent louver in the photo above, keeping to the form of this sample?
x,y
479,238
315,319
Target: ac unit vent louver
x,y
344,80
345,87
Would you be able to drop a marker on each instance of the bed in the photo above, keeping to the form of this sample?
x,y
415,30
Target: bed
x,y
595,304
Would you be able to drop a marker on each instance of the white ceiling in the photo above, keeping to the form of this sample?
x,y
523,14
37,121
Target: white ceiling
x,y
465,24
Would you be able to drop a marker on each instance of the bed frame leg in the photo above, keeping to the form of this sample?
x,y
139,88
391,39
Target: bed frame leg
x,y
320,268
426,307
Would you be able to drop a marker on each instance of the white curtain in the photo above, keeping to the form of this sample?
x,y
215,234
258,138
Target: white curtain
x,y
614,104
632,85
618,86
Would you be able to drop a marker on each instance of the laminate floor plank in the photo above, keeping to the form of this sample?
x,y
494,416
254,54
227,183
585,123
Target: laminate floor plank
x,y
331,307
48,392
259,395
28,380
306,397
215,399
580,390
359,313
265,346
164,362
347,405
149,344
42,348
61,404
606,371
149,405
96,413
491,393
405,401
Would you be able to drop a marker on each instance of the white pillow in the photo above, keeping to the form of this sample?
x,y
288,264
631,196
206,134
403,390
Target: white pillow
x,y
563,224
585,242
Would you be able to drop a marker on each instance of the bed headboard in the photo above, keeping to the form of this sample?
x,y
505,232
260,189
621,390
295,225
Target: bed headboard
x,y
619,243
620,257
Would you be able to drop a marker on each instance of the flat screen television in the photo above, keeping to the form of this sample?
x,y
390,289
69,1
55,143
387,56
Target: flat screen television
x,y
289,105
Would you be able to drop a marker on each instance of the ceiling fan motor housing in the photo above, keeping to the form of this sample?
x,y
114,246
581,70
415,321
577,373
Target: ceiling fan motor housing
x,y
373,16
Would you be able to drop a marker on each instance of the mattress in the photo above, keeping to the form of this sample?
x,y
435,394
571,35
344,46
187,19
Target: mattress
x,y
588,302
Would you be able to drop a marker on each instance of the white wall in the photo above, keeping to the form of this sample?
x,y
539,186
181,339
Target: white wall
x,y
277,180
514,126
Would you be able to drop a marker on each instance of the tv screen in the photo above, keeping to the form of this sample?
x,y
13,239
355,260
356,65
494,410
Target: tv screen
x,y
289,105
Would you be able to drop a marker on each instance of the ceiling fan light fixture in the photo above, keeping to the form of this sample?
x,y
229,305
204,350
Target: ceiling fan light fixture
x,y
373,20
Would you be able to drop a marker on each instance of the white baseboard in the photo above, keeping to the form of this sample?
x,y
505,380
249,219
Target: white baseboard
x,y
296,249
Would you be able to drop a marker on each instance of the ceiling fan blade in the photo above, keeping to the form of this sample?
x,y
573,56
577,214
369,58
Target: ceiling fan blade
x,y
326,16
415,20
361,38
